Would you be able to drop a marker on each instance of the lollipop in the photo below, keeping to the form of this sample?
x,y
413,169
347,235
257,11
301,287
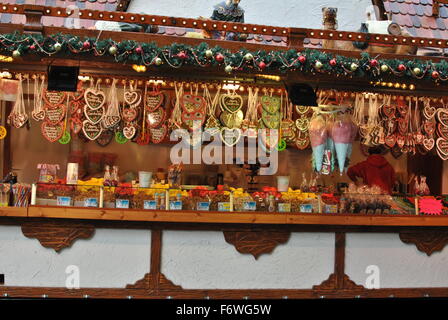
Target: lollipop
x,y
318,138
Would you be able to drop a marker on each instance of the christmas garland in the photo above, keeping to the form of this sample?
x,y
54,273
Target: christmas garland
x,y
177,55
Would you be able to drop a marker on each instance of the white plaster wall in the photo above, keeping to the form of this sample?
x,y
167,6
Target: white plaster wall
x,y
284,13
204,260
111,259
400,265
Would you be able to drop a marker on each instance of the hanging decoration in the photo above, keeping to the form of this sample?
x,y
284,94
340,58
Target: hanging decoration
x,y
38,113
18,116
94,111
212,126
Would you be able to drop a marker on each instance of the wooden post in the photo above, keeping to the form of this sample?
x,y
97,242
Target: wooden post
x,y
296,38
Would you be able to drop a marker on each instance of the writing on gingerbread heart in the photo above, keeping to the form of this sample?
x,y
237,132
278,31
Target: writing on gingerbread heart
x,y
95,99
91,130
158,134
270,104
156,118
230,137
53,98
231,102
94,115
193,119
54,114
129,114
133,97
52,132
153,100
442,116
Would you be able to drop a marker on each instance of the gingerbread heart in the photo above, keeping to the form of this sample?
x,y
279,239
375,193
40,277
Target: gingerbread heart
x,y
143,138
52,132
390,140
111,121
193,119
232,120
129,132
428,143
302,124
156,118
429,112
53,98
388,111
158,134
302,109
129,114
442,131
95,99
287,129
105,138
302,143
94,115
442,156
133,98
230,137
401,141
272,121
153,100
39,115
429,127
232,103
78,95
270,104
191,103
54,114
74,106
75,125
442,116
403,125
269,138
442,146
91,130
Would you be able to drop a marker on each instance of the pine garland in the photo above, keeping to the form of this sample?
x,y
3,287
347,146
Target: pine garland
x,y
177,55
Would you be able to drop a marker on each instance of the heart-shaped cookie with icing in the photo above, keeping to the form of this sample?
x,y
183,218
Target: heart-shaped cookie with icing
x,y
52,132
94,115
132,98
230,137
91,131
232,103
54,114
158,134
442,116
53,98
153,100
129,131
95,99
428,144
270,104
191,103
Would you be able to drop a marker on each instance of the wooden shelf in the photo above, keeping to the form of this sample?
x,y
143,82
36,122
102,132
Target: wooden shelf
x,y
13,212
235,217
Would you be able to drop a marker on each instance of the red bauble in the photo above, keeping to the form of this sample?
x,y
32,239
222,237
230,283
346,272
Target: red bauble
x,y
435,74
86,45
374,63
302,59
333,62
262,65
32,47
219,57
139,50
401,67
182,55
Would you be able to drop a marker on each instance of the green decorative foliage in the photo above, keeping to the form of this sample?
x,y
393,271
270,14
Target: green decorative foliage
x,y
176,55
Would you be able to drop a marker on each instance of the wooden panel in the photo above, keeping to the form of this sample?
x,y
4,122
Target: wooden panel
x,y
236,218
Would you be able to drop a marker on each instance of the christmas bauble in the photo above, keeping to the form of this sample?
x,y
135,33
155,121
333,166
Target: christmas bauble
x,y
435,74
401,67
209,53
353,66
318,64
113,50
139,50
302,59
219,57
262,65
228,69
32,47
182,55
384,68
158,61
248,56
86,45
16,54
57,46
417,71
373,63
333,62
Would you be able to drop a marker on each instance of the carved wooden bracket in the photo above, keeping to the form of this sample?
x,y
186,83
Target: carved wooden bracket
x,y
156,281
57,234
336,283
428,241
296,38
256,243
33,22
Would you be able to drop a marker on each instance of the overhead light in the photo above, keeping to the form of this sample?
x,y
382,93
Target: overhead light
x,y
6,74
83,78
231,86
269,77
6,58
139,68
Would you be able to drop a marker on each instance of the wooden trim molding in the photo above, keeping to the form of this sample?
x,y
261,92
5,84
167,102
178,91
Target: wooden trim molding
x,y
427,241
256,243
57,234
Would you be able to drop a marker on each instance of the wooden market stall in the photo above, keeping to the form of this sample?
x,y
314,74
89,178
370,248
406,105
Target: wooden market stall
x,y
151,62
